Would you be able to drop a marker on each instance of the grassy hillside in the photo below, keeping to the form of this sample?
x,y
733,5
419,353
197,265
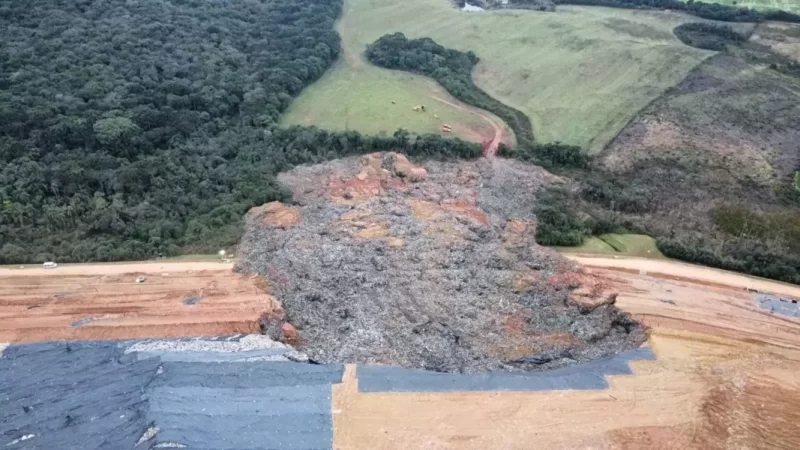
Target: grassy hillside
x,y
710,167
580,73
618,244
355,95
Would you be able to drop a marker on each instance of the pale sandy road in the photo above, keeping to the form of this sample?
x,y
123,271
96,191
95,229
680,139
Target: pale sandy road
x,y
690,271
117,268
498,128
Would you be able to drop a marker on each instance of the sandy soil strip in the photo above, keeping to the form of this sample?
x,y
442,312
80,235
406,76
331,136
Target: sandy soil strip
x,y
116,269
690,272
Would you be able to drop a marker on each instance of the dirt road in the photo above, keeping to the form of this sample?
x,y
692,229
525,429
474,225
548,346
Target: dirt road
x,y
500,134
104,301
115,268
679,270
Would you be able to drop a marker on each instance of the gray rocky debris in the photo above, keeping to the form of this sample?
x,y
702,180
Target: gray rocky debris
x,y
438,272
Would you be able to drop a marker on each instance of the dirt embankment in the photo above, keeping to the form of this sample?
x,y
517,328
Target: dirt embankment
x,y
105,301
435,267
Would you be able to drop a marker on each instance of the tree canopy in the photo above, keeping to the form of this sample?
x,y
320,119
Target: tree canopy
x,y
130,128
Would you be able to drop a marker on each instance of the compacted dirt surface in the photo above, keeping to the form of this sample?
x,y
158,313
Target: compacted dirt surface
x,y
105,301
434,267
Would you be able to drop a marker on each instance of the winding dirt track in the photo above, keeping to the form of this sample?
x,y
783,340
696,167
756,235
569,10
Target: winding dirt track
x,y
500,134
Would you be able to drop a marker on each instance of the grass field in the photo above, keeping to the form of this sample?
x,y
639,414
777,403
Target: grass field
x,y
580,73
358,96
620,244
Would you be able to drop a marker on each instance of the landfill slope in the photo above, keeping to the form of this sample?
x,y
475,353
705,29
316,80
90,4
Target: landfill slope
x,y
433,267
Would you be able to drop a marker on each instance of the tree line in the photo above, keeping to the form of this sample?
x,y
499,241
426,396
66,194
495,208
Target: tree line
x,y
712,11
131,129
453,70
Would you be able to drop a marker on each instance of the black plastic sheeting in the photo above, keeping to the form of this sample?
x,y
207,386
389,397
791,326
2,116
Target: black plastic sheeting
x,y
73,396
91,395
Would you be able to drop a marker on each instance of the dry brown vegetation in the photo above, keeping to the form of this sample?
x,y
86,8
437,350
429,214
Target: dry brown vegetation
x,y
709,166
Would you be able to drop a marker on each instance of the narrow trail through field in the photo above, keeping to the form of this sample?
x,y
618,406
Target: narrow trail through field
x,y
498,128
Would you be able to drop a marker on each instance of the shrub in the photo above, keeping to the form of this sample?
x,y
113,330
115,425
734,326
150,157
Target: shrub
x,y
707,36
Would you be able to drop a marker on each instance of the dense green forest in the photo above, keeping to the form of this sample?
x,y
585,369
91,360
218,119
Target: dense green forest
x,y
713,11
131,129
453,70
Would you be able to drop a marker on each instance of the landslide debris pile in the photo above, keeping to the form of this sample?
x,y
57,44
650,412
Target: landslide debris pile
x,y
435,267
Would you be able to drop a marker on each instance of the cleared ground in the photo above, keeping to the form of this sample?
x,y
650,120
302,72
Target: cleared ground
x,y
724,378
580,73
95,301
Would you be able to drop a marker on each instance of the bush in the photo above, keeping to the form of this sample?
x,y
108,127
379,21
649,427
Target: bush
x,y
615,194
558,220
747,257
707,36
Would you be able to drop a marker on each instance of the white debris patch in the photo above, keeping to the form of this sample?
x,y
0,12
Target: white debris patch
x,y
150,433
23,438
247,343
471,8
170,445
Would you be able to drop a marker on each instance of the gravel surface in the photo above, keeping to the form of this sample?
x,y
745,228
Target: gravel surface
x,y
241,344
379,261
